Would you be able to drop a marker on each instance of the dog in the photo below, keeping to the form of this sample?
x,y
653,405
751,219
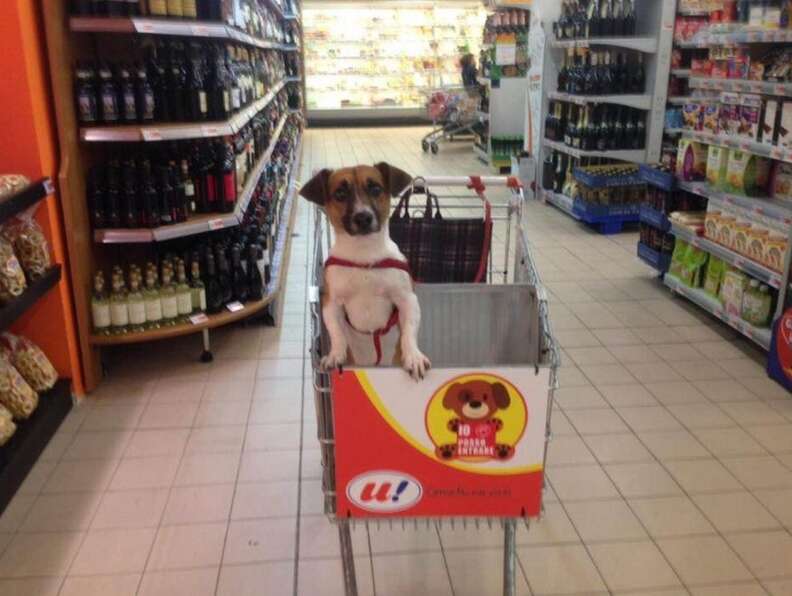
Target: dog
x,y
369,290
475,403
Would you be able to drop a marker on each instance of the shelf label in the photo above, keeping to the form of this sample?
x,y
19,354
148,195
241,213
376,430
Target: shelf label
x,y
200,30
745,146
753,36
738,262
145,27
216,223
210,131
235,306
151,134
779,89
199,319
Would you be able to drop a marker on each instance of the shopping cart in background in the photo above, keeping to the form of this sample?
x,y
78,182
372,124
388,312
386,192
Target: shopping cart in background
x,y
453,112
396,451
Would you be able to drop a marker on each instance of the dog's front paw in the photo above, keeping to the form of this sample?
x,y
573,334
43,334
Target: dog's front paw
x,y
415,363
335,359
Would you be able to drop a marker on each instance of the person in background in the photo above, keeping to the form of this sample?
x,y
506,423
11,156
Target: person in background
x,y
469,71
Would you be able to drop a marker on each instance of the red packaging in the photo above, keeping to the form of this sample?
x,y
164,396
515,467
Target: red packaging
x,y
720,69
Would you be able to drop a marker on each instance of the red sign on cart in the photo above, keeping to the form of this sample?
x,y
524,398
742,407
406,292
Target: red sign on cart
x,y
454,444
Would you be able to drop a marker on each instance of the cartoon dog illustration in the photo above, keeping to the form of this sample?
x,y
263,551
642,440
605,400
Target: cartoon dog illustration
x,y
475,404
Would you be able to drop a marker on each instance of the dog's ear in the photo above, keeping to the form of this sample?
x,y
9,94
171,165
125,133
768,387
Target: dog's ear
x,y
501,395
395,179
316,190
450,396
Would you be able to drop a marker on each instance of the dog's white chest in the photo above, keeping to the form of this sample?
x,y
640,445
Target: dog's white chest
x,y
366,294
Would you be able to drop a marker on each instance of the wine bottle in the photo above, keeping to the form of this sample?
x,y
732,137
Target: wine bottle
x,y
149,203
180,205
214,293
629,17
593,19
177,84
605,129
126,95
144,96
198,105
224,275
630,138
226,177
264,259
550,127
183,293
157,75
571,128
100,306
108,95
96,199
119,308
112,195
239,282
170,305
606,18
165,196
255,282
151,298
137,305
197,286
129,210
640,130
638,78
618,130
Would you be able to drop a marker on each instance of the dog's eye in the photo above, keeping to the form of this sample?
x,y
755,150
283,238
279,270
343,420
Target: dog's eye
x,y
342,194
374,190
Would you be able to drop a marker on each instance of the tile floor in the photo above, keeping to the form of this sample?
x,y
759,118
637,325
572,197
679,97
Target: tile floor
x,y
670,471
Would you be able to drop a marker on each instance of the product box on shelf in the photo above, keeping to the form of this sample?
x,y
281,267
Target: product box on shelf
x,y
781,181
747,174
691,160
710,117
714,276
692,115
729,113
717,160
750,107
731,291
768,125
784,127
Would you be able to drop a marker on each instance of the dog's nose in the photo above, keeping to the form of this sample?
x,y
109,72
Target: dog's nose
x,y
474,404
363,220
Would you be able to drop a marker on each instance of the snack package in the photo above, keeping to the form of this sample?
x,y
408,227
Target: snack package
x,y
691,160
692,272
730,113
692,115
740,237
7,426
717,160
12,183
756,304
757,242
747,174
714,275
750,106
784,128
731,291
15,393
30,244
726,224
712,224
768,124
775,248
781,181
12,277
678,258
711,118
30,361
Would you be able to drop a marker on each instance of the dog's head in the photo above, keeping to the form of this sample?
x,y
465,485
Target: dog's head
x,y
357,200
476,400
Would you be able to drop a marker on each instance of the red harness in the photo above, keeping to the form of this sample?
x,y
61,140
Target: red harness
x,y
394,317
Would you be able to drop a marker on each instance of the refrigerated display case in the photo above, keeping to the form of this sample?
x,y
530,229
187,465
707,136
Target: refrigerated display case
x,y
380,60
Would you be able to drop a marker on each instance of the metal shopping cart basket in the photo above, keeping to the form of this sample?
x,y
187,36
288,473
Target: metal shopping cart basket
x,y
399,451
453,112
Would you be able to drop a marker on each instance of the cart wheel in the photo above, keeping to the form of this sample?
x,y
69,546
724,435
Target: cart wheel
x,y
425,145
435,148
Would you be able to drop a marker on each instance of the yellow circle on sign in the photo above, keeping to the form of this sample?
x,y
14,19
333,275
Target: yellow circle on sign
x,y
510,419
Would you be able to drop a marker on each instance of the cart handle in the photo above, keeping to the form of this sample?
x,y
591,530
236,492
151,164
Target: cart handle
x,y
472,181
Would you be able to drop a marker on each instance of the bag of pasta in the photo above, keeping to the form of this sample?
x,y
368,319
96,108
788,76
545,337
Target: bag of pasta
x,y
12,277
12,183
30,361
30,244
15,393
7,426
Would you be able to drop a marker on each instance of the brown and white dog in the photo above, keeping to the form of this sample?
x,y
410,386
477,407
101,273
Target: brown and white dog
x,y
368,288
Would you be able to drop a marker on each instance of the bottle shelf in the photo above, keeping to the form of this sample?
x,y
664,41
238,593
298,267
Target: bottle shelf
x,y
632,155
647,45
175,27
279,267
641,102
181,130
24,198
18,456
762,87
654,218
35,290
727,255
198,224
742,144
760,336
780,211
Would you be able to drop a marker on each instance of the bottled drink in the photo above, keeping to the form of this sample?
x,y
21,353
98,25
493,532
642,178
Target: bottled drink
x,y
590,82
226,178
629,17
224,276
158,8
219,91
100,306
214,293
108,95
208,179
137,305
179,208
605,128
158,75
126,95
236,92
144,96
175,8
189,187
177,84
264,259
183,293
638,76
640,131
198,104
606,18
129,210
593,19
630,138
558,178
190,9
119,309
166,199
198,290
170,305
149,201
563,73
151,297
112,194
86,92
239,281
618,130
96,199
255,280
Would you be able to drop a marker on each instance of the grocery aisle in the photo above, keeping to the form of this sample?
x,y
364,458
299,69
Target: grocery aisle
x,y
671,464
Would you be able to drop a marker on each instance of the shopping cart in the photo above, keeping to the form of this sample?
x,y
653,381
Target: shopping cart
x,y
394,450
453,112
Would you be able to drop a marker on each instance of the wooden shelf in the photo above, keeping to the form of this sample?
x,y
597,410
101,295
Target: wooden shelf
x,y
198,224
279,267
22,199
16,307
31,437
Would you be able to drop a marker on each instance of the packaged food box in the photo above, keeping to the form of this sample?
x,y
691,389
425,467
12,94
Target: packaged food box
x,y
726,223
693,267
712,224
740,236
750,107
701,67
757,304
739,66
720,69
717,160
781,181
692,115
691,160
713,276
711,117
678,257
731,291
747,174
784,128
775,248
757,242
730,113
768,122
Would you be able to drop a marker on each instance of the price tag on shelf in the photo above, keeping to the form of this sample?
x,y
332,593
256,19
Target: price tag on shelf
x,y
199,318
200,30
216,224
776,153
145,27
753,36
775,281
745,146
779,89
210,131
235,306
151,134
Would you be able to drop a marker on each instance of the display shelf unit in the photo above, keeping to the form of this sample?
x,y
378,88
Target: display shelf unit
x,y
633,155
273,291
18,456
734,142
13,309
198,224
781,211
172,27
759,335
641,102
654,218
653,258
181,130
506,115
70,40
742,86
752,268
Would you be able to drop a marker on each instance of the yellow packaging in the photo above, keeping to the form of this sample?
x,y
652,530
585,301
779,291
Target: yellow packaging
x,y
712,224
775,247
740,237
726,229
757,243
717,160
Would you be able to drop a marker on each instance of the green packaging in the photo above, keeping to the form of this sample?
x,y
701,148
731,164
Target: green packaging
x,y
717,160
693,267
714,275
678,257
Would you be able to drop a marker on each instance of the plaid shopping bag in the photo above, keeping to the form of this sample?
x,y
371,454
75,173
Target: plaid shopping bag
x,y
440,249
